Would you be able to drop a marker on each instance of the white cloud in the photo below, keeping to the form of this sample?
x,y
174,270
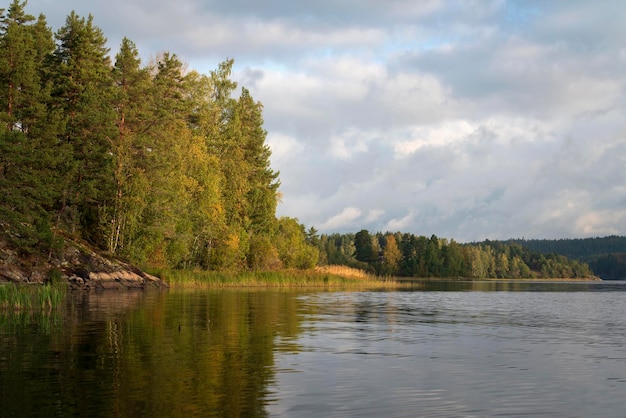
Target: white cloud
x,y
283,146
444,134
347,216
373,215
600,223
349,144
399,224
256,35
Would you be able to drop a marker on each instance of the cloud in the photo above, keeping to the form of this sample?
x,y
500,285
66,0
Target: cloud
x,y
347,215
373,215
399,224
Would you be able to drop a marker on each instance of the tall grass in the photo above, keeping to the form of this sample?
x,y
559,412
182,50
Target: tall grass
x,y
23,305
279,279
14,297
345,271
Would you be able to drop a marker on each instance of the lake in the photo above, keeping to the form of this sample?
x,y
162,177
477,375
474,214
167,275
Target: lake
x,y
446,349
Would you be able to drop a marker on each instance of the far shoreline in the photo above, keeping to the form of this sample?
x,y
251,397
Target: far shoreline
x,y
503,279
322,278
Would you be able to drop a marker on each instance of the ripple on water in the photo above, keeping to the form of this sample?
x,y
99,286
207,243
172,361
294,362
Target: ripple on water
x,y
460,354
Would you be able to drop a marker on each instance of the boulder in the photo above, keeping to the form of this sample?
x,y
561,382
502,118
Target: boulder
x,y
79,264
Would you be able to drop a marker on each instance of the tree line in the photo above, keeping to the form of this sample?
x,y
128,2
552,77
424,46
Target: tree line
x,y
578,248
408,255
606,255
162,166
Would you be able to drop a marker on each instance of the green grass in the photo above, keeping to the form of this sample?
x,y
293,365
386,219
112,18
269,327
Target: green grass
x,y
278,279
26,297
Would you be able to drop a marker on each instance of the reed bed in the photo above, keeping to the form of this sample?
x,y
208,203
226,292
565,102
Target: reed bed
x,y
14,297
345,271
277,279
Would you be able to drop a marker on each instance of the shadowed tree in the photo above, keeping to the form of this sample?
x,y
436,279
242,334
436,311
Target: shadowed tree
x,y
364,248
83,91
29,154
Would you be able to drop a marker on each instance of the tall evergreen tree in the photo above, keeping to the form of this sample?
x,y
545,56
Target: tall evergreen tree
x,y
167,193
262,180
364,249
84,91
249,191
129,147
28,150
18,71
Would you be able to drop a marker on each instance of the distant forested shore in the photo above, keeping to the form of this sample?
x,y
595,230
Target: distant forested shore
x,y
605,255
409,255
165,168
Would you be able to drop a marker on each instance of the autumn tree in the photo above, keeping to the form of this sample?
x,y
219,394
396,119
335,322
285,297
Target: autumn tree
x,y
391,255
293,249
129,147
154,163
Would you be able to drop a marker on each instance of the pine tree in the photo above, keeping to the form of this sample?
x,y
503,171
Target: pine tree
x,y
129,147
262,180
162,235
28,151
83,91
249,185
364,249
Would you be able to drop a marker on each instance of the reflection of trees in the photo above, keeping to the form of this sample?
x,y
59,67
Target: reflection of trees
x,y
152,354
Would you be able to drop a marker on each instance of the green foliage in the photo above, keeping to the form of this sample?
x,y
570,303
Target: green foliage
x,y
80,73
153,163
419,256
28,153
364,248
293,249
604,254
610,267
263,255
25,195
581,248
45,297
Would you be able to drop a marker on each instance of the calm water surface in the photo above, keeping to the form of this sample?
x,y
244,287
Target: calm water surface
x,y
445,350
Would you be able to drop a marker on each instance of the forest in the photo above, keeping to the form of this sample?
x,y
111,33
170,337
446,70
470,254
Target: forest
x,y
169,168
605,255
408,255
153,163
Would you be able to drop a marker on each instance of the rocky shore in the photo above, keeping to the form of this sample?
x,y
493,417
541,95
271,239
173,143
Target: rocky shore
x,y
78,264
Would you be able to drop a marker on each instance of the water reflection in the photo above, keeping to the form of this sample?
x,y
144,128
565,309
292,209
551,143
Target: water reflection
x,y
148,354
516,285
450,349
442,353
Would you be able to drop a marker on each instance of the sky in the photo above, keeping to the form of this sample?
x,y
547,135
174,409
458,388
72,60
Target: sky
x,y
467,119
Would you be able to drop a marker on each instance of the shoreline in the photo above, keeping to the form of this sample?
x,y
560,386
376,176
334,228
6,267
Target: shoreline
x,y
521,280
322,278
